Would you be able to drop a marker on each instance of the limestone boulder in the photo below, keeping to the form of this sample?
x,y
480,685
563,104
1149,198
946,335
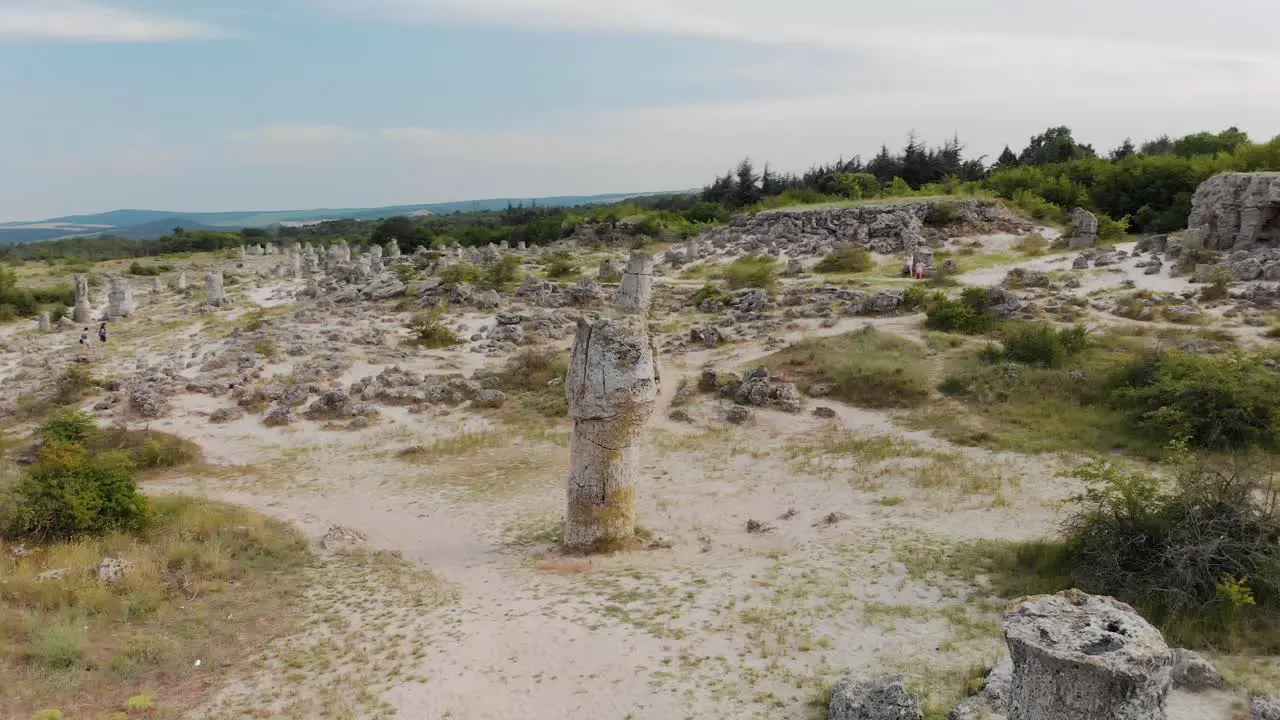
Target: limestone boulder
x,y
882,698
1237,211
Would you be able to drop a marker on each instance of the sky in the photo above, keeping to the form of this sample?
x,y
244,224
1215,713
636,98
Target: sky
x,y
206,105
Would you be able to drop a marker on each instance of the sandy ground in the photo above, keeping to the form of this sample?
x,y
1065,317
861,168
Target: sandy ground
x,y
713,621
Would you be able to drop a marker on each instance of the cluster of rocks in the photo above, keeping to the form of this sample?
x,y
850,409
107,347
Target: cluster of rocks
x,y
1236,211
885,229
755,389
1072,656
394,386
513,329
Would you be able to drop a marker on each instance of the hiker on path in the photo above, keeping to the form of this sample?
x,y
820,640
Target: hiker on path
x,y
102,332
84,337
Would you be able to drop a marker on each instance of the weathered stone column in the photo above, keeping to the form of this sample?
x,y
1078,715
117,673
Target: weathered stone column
x,y
1083,657
393,249
82,312
156,284
611,388
120,302
45,324
181,284
637,284
213,286
295,265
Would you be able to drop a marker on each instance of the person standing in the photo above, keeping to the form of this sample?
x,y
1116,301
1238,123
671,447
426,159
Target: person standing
x,y
84,336
102,332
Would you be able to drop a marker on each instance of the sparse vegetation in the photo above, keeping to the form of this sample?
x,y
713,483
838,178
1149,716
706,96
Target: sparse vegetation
x,y
751,272
427,329
845,260
137,268
865,367
561,265
460,272
536,379
968,315
1196,554
1040,344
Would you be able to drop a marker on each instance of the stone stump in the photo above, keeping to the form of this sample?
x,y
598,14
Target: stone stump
x,y
393,249
213,286
120,302
182,281
156,284
1084,657
82,313
45,324
1084,229
637,284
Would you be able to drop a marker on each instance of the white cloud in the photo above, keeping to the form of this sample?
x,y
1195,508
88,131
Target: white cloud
x,y
52,19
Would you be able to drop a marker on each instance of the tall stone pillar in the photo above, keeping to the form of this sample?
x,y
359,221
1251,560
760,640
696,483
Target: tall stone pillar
x,y
213,286
45,324
120,302
181,285
82,312
637,284
611,388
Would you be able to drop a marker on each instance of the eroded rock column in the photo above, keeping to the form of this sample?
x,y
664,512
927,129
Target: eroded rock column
x,y
82,312
611,388
45,325
213,287
637,284
182,281
120,302
1084,657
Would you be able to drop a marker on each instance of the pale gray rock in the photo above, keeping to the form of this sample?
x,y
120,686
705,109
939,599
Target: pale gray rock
x,y
111,570
1192,672
120,302
882,698
1084,229
1237,211
1084,657
1265,708
215,294
637,283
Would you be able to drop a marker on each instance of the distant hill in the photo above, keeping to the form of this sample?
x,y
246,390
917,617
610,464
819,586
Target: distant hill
x,y
149,224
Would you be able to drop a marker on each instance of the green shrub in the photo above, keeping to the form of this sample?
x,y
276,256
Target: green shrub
x,y
1041,344
1037,207
708,292
1112,230
73,385
956,317
500,273
560,264
1217,287
404,272
427,329
943,214
845,260
1218,403
462,272
751,271
71,492
914,297
137,268
68,425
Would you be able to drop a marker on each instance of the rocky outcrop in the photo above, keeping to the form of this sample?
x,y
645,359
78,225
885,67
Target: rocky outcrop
x,y
1084,229
1084,657
993,699
886,229
1265,708
882,698
1237,211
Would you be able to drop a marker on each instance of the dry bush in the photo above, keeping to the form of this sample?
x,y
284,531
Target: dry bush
x,y
865,367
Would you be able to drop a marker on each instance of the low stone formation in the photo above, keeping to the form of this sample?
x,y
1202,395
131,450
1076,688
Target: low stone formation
x,y
611,388
521,246
213,286
1237,211
393,249
364,267
182,281
1085,657
608,272
120,302
45,324
82,312
272,249
310,261
375,259
881,698
156,284
1084,229
244,252
637,284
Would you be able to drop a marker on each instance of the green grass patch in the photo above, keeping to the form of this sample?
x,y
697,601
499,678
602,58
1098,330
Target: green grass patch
x,y
865,367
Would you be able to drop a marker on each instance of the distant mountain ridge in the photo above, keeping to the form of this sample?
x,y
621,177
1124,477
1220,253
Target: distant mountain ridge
x,y
150,224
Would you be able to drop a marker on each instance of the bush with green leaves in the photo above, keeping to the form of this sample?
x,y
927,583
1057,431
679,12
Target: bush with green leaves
x,y
1041,344
560,265
968,315
751,271
708,292
137,268
845,260
943,214
68,425
461,272
427,329
500,273
1213,402
71,492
